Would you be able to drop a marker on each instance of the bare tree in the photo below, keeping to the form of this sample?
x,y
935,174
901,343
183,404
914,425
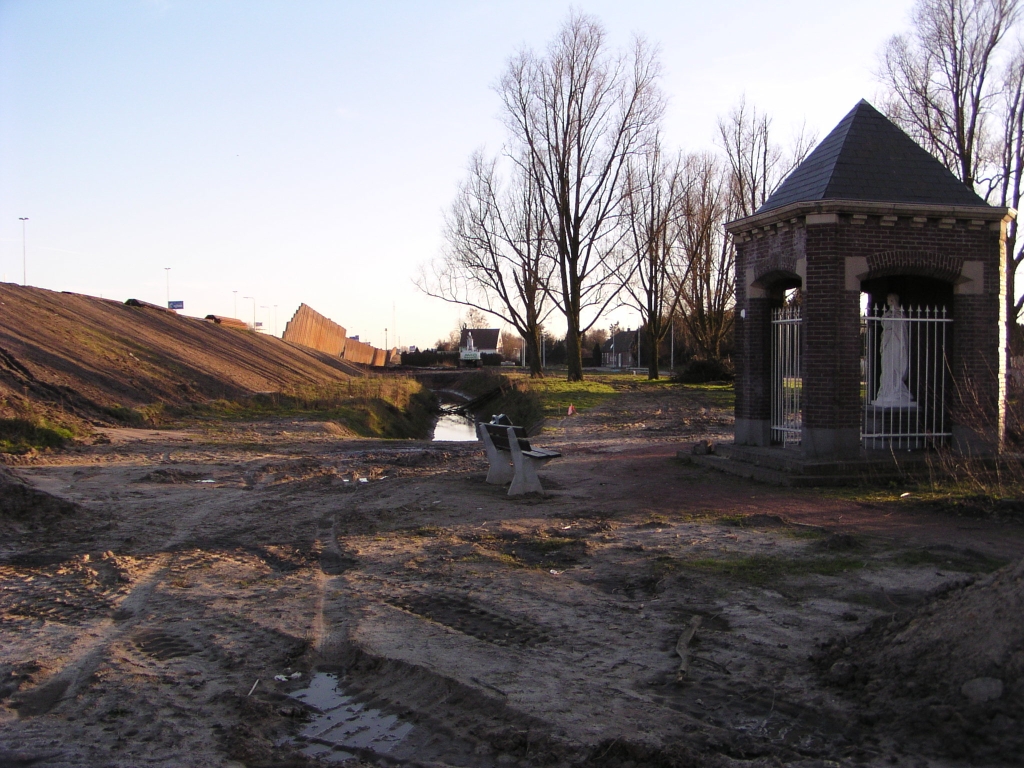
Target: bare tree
x,y
942,77
707,290
955,86
652,216
473,318
495,258
1011,165
757,164
576,114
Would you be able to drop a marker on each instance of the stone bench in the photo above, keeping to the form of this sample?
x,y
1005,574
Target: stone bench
x,y
512,459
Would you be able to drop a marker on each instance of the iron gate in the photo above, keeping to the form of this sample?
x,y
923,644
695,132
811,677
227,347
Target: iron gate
x,y
787,378
905,370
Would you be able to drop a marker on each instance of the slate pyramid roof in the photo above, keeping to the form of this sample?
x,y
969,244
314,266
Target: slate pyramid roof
x,y
866,157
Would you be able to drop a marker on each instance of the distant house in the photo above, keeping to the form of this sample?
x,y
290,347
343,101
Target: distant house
x,y
620,350
476,342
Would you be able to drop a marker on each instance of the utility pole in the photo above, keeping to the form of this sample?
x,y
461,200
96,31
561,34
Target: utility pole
x,y
385,338
275,319
24,262
167,271
236,304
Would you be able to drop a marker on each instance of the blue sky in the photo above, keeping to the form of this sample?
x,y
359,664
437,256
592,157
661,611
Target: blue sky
x,y
301,151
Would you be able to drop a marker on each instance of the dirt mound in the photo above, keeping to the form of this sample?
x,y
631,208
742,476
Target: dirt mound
x,y
98,359
948,679
20,501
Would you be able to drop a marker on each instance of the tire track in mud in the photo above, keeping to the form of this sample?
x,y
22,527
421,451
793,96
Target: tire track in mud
x,y
90,650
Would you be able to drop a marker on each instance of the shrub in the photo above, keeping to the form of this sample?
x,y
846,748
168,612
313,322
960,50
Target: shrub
x,y
701,371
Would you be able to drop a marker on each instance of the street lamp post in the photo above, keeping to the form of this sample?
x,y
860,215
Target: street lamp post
x,y
253,312
24,262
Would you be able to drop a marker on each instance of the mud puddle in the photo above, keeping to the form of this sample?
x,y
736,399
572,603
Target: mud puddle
x,y
345,729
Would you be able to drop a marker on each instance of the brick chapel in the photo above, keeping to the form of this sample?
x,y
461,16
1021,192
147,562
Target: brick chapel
x,y
870,301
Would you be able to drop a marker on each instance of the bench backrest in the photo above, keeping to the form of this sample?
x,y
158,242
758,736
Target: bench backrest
x,y
499,436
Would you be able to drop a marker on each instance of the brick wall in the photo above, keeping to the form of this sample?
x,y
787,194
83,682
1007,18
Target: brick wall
x,y
887,244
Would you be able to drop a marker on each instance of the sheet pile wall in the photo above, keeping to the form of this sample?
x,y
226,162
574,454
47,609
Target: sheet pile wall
x,y
311,329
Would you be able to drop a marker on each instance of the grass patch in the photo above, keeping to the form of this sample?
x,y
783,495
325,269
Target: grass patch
x,y
759,570
391,407
22,435
556,395
964,561
534,551
503,558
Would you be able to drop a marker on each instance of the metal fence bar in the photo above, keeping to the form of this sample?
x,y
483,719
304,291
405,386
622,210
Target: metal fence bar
x,y
787,379
905,372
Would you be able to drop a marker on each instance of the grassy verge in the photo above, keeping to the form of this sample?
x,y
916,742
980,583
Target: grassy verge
x,y
23,435
392,407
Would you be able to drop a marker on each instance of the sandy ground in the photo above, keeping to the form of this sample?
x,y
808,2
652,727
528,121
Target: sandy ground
x,y
148,626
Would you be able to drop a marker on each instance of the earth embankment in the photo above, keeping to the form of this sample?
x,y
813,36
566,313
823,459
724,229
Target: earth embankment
x,y
92,359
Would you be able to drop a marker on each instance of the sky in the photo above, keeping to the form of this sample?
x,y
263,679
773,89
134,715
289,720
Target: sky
x,y
304,151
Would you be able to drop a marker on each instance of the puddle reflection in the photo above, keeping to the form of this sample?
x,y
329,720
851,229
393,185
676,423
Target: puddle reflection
x,y
345,723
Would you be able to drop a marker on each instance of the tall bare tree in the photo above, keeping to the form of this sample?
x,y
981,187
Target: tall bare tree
x,y
757,163
954,83
707,290
576,114
495,260
652,217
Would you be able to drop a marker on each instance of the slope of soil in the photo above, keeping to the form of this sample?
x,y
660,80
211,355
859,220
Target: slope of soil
x,y
93,358
949,676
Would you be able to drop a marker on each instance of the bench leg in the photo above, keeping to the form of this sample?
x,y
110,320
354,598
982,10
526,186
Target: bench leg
x,y
525,479
500,469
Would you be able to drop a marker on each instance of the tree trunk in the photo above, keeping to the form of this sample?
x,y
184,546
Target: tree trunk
x,y
532,340
573,352
654,341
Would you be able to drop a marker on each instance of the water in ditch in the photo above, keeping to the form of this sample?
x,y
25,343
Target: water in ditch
x,y
455,427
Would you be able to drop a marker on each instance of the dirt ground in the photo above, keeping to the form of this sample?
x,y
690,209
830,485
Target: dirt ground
x,y
195,602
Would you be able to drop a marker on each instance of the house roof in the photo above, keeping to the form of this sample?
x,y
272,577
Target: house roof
x,y
867,157
483,338
623,341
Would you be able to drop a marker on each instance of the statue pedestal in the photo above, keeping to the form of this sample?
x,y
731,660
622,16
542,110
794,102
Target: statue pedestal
x,y
903,427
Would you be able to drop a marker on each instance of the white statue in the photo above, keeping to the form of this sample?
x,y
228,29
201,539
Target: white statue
x,y
892,388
